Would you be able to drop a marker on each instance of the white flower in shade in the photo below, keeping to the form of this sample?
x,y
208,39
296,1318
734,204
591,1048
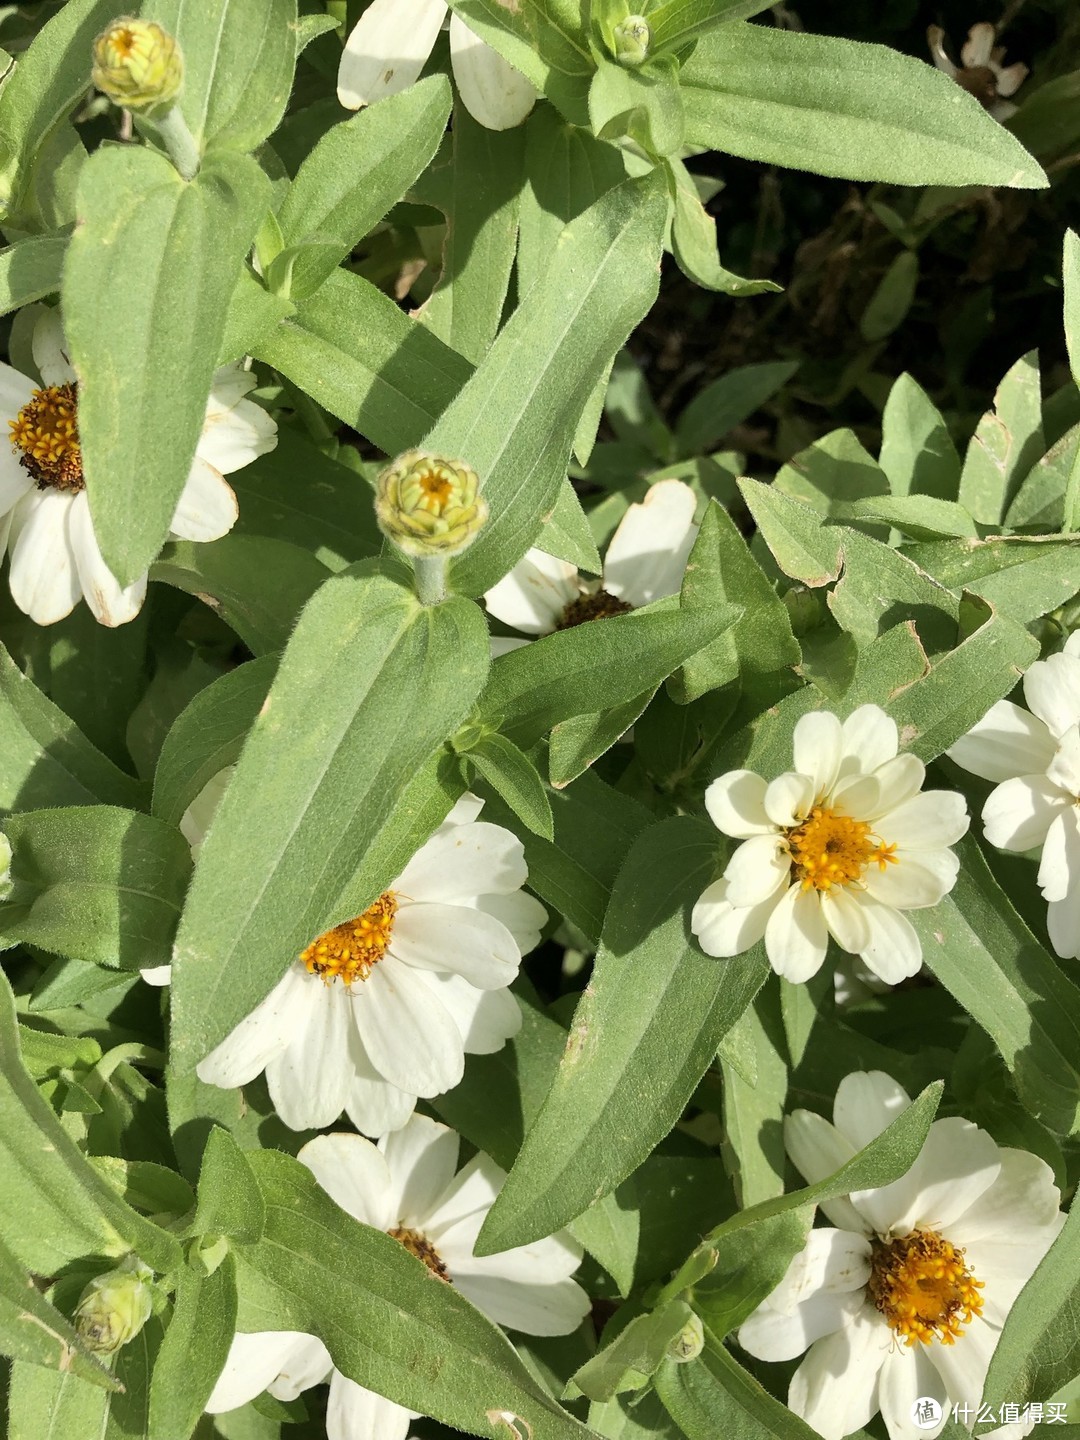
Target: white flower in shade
x,y
980,72
389,46
645,561
407,1187
44,511
423,976
905,1295
839,846
1035,754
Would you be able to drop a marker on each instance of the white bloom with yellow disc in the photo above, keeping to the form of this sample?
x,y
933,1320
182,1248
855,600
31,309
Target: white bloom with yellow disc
x,y
408,1187
44,511
839,846
904,1295
385,1007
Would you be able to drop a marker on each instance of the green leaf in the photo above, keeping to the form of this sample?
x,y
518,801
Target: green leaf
x,y
515,420
713,1395
174,251
984,954
920,516
577,742
754,1111
1040,500
479,190
194,1350
44,758
833,472
97,884
30,269
49,80
643,1035
917,452
239,57
566,533
359,356
674,22
351,178
693,240
1022,576
33,1330
386,1324
76,1212
230,1201
369,687
633,1356
839,107
727,401
1007,443
644,104
209,735
45,1405
257,586
546,43
1071,284
513,776
888,307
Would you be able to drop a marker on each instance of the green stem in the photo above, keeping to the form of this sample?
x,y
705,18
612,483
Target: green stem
x,y
430,572
179,141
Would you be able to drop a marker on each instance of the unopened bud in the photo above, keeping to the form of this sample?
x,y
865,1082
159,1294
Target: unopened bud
x,y
689,1342
804,610
115,1307
429,506
5,867
632,40
137,64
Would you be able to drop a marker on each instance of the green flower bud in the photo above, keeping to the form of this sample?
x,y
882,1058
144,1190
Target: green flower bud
x,y
5,867
137,64
429,506
804,610
632,40
115,1307
689,1342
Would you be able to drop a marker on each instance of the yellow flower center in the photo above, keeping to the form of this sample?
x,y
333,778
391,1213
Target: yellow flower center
x,y
829,849
923,1287
597,606
46,430
420,1246
351,951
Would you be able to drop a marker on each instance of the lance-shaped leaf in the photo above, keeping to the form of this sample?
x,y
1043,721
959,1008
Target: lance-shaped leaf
x,y
194,1350
31,1329
545,41
643,1035
369,687
148,278
839,107
30,269
676,22
714,1395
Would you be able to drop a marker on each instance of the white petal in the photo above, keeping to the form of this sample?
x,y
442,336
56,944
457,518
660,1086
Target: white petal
x,y
978,46
228,387
15,390
756,870
372,1103
936,37
207,507
410,1038
1007,741
926,822
309,1364
1059,869
646,557
111,603
907,1377
458,939
465,810
817,1149
773,1334
556,1308
836,1261
196,819
869,739
1023,1195
895,950
157,974
790,798
721,929
795,937
494,93
387,49
1052,690
353,1413
896,781
522,915
15,482
464,860
1064,769
1019,812
463,1208
534,595
421,1159
736,804
255,1360
956,1164
50,350
261,1035
355,1175
835,1388
43,579
845,919
917,879
232,438
817,748
309,1079
486,1019
867,1102
963,1366
1063,925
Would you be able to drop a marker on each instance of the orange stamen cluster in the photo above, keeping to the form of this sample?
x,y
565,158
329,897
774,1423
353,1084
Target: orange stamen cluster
x,y
420,1246
829,849
351,951
46,430
923,1287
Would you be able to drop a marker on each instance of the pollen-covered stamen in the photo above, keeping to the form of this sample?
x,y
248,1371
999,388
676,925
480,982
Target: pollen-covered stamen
x,y
420,1246
351,951
923,1287
830,849
597,606
46,430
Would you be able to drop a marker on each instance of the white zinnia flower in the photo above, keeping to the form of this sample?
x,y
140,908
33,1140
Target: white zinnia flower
x,y
407,1187
424,973
838,846
44,511
390,44
1037,757
981,72
905,1296
645,561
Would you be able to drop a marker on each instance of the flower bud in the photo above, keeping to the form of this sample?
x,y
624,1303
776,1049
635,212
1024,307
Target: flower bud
x,y
632,40
689,1342
137,64
5,867
115,1307
429,506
